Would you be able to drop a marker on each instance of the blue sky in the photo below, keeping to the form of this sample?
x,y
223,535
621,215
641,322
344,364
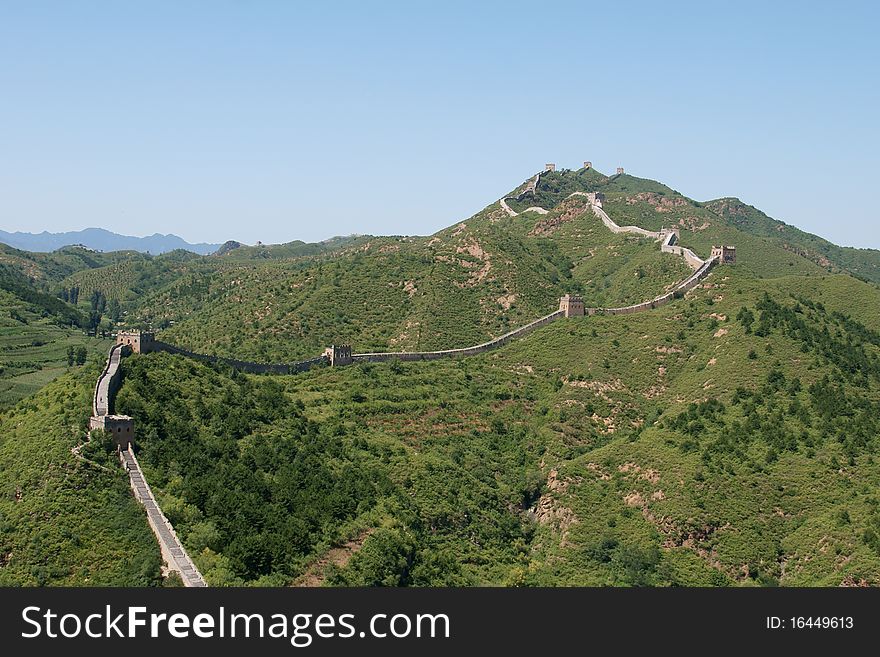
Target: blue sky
x,y
277,121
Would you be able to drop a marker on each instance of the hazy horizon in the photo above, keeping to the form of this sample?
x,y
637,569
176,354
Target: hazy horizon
x,y
276,122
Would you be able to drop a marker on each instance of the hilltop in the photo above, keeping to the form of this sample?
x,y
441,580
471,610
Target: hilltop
x,y
466,283
727,438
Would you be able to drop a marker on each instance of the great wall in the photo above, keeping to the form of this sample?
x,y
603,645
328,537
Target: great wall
x,y
121,427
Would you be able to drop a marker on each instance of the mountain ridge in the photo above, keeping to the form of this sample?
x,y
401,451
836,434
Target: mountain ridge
x,y
727,438
101,239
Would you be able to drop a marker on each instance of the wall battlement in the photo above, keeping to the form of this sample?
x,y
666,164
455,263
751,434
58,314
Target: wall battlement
x,y
725,254
338,355
571,305
140,342
121,427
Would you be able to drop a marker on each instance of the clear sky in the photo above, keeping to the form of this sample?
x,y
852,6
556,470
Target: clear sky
x,y
277,121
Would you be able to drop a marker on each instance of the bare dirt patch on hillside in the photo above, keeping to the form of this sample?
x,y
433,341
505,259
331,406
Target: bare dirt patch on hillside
x,y
338,556
549,510
659,202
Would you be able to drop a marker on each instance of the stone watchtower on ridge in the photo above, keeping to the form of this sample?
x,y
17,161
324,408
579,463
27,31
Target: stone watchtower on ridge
x,y
725,254
619,171
141,342
572,305
550,167
338,354
121,427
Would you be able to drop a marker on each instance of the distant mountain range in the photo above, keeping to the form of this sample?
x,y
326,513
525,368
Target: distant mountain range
x,y
102,240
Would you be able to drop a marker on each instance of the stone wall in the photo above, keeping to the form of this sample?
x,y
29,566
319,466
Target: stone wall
x,y
614,228
173,551
531,188
243,365
122,429
140,342
108,382
465,351
663,299
691,258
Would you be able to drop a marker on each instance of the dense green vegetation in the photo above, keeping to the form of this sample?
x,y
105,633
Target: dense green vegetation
x,y
729,438
64,521
45,270
18,285
256,490
250,485
610,450
34,348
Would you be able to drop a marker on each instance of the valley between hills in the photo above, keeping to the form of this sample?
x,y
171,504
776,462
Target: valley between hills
x,y
725,438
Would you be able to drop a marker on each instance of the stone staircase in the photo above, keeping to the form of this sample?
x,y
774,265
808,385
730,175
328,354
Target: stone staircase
x,y
172,550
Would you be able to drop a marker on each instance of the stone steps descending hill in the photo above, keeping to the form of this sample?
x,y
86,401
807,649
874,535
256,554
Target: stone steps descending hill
x,y
172,550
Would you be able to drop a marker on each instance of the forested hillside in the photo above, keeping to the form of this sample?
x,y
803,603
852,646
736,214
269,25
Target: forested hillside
x,y
728,438
467,283
64,522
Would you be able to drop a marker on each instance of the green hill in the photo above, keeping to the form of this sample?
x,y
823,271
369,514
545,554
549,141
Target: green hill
x,y
64,522
863,263
728,438
38,335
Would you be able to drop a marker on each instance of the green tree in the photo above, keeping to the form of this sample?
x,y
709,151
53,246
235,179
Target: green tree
x,y
81,355
70,356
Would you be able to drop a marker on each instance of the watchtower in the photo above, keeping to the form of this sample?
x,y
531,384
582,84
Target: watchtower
x,y
725,254
588,165
338,354
550,167
141,342
121,427
572,305
670,236
619,171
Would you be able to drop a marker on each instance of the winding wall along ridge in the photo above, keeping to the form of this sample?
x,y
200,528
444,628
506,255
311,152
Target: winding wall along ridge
x,y
701,269
108,382
377,357
173,552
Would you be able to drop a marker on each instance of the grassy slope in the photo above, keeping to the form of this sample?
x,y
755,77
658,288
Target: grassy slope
x,y
864,263
33,348
129,276
50,268
557,460
798,519
461,286
72,524
470,446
